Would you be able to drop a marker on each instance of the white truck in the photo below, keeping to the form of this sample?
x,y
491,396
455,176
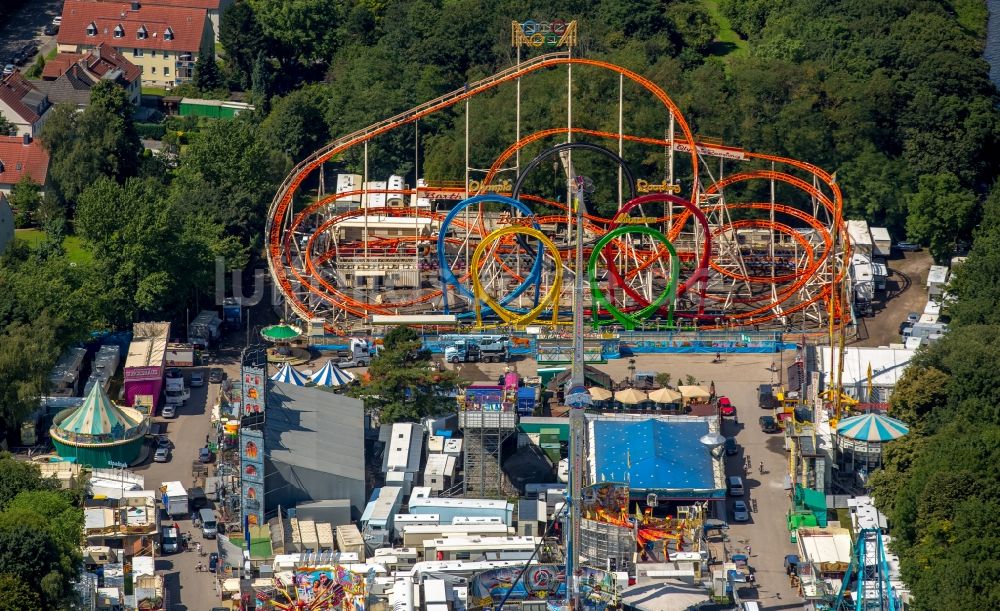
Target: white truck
x,y
472,349
357,354
175,499
174,390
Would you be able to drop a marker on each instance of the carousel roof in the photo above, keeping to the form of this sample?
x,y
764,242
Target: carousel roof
x,y
872,427
99,416
289,375
280,333
331,375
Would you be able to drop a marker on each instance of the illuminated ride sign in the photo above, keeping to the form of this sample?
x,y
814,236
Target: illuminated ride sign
x,y
531,33
644,186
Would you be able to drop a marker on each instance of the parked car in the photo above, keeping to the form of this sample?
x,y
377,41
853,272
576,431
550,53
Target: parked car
x,y
169,411
27,52
768,424
213,562
740,511
204,455
726,407
216,376
51,29
162,454
163,442
57,20
197,379
908,246
196,498
9,69
732,448
765,397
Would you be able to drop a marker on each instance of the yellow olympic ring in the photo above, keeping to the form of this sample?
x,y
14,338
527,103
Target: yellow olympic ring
x,y
515,318
536,40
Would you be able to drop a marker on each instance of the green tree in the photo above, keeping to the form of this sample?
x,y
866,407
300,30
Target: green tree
x,y
6,127
17,476
296,124
940,211
27,354
25,198
242,41
402,385
207,76
300,31
260,82
693,26
17,595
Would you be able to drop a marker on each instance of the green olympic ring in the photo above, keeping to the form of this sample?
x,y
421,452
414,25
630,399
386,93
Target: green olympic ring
x,y
631,320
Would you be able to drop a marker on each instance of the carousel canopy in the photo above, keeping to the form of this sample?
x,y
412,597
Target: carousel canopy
x,y
99,416
280,333
872,427
331,375
289,375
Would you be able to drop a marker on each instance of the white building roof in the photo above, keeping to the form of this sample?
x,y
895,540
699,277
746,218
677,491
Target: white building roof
x,y
887,364
822,545
938,274
149,344
860,234
880,234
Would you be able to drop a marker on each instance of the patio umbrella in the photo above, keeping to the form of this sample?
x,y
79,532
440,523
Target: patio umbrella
x,y
665,395
600,394
289,375
630,396
872,427
694,392
331,375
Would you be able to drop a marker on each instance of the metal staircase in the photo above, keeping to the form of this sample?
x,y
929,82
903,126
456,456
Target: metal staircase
x,y
869,576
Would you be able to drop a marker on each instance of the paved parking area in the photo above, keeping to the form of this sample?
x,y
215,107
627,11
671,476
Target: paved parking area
x,y
26,25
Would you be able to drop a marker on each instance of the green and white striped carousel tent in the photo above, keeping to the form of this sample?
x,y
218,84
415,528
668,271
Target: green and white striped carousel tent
x,y
98,431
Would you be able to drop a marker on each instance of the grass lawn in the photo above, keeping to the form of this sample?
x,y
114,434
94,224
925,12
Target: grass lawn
x,y
160,91
73,244
727,41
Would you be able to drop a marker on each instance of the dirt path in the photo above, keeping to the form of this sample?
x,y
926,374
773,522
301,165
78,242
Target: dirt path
x,y
906,291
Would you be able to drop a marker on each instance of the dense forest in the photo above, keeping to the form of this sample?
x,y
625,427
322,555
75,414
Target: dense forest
x,y
892,95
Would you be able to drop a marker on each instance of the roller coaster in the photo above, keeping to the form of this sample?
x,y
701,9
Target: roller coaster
x,y
495,255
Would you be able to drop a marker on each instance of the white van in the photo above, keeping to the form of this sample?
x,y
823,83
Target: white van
x,y
735,485
209,528
750,605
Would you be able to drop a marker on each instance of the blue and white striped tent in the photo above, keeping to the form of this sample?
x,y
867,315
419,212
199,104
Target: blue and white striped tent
x,y
331,375
872,427
289,375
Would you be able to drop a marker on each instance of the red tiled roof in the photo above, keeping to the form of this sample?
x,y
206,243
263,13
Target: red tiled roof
x,y
21,159
97,62
202,4
12,92
55,67
187,25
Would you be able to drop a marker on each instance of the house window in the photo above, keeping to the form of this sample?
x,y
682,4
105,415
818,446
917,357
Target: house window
x,y
168,34
463,555
92,29
153,69
136,52
142,33
119,31
166,71
153,53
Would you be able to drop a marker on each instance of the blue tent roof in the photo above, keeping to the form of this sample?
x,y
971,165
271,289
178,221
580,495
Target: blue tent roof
x,y
872,427
289,375
331,375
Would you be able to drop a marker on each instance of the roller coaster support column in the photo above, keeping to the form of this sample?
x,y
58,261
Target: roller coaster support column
x,y
578,399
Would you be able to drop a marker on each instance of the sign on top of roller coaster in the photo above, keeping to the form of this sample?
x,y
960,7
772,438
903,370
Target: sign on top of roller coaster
x,y
531,33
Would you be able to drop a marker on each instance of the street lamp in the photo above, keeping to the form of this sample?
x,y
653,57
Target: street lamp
x,y
631,370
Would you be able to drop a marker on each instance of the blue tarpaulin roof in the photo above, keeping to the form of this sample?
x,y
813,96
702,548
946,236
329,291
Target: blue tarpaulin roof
x,y
653,455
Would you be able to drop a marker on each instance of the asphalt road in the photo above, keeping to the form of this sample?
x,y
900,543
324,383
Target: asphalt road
x,y
766,532
26,25
187,588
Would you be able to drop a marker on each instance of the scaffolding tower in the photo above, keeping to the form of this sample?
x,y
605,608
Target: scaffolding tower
x,y
485,427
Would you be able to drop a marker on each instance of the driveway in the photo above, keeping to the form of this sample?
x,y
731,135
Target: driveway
x,y
906,291
26,25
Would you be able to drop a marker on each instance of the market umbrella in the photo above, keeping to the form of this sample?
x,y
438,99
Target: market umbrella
x,y
600,394
694,392
665,395
289,375
630,396
872,427
331,375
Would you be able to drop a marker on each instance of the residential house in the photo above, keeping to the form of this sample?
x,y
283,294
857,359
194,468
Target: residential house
x,y
68,77
163,41
22,105
214,8
22,156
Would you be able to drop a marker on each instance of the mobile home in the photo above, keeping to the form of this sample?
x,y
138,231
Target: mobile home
x,y
449,508
439,472
377,519
415,535
481,548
